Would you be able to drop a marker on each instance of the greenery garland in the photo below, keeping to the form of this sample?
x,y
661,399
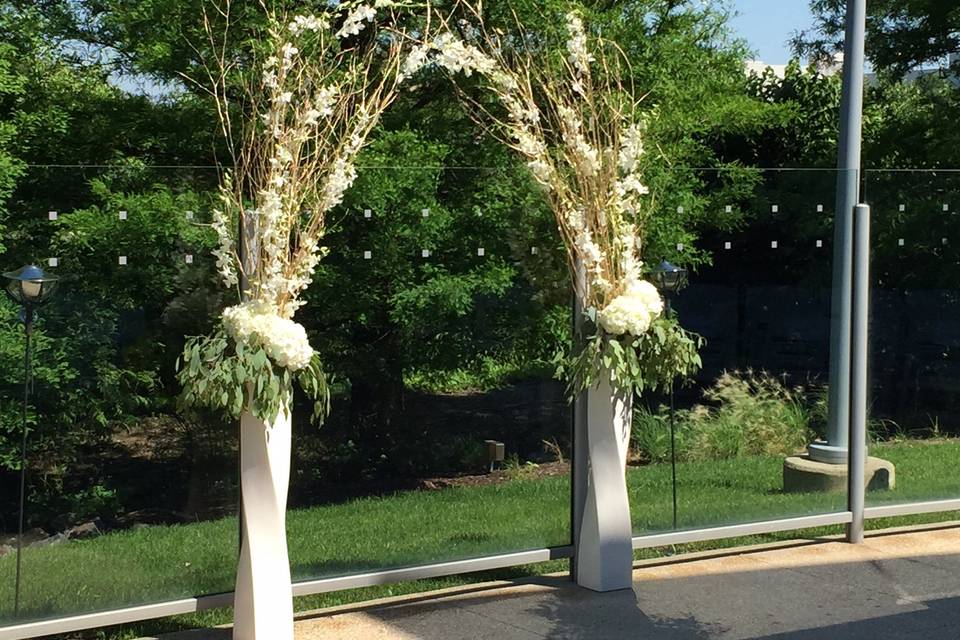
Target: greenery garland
x,y
652,361
219,373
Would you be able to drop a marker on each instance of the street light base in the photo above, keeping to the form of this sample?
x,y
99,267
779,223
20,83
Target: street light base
x,y
803,475
823,452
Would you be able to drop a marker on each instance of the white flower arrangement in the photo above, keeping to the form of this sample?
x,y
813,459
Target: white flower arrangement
x,y
581,133
314,100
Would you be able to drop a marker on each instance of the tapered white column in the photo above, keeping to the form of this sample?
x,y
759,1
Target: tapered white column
x,y
263,601
605,550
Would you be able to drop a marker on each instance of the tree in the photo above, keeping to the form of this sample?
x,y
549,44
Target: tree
x,y
902,35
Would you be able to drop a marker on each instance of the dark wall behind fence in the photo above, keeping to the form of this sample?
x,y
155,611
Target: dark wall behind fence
x,y
915,344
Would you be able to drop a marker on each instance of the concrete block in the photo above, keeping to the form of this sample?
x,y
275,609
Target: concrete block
x,y
801,474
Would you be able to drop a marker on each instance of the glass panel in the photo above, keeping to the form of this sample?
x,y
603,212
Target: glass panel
x,y
914,339
438,313
760,295
438,310
128,500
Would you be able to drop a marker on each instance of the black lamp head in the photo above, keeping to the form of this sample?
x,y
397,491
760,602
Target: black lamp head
x,y
668,278
30,285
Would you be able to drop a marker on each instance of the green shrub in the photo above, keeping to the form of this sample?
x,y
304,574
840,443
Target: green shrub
x,y
748,414
650,437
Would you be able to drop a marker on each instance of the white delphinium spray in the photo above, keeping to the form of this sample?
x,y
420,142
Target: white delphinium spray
x,y
581,133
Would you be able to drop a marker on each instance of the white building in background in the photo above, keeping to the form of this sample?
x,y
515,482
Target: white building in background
x,y
835,67
758,67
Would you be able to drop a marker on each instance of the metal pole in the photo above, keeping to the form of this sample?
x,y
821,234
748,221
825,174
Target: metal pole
x,y
578,454
673,439
858,395
244,256
28,330
848,164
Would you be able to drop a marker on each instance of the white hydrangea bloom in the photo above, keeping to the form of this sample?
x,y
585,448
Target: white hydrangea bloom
x,y
648,294
633,311
284,340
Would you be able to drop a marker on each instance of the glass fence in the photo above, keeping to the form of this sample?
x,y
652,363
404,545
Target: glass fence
x,y
128,499
914,402
449,438
438,313
760,296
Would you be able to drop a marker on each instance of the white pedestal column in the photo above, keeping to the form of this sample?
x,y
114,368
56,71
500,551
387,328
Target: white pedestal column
x,y
263,601
604,549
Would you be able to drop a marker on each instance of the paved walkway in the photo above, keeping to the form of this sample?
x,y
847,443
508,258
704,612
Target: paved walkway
x,y
896,586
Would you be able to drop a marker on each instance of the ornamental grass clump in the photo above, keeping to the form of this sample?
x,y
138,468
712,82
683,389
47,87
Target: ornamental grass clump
x,y
578,125
294,119
744,414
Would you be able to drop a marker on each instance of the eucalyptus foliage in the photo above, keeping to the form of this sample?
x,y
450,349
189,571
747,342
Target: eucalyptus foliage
x,y
219,373
652,361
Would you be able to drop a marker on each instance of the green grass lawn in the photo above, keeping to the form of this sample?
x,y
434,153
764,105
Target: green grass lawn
x,y
166,562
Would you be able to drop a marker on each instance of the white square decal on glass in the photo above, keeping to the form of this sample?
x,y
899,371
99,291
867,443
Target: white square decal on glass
x,y
189,215
188,259
123,215
53,262
425,253
425,213
533,251
774,244
367,213
679,247
481,251
679,209
900,242
52,215
903,207
727,245
819,208
728,208
819,244
775,208
367,255
122,260
946,207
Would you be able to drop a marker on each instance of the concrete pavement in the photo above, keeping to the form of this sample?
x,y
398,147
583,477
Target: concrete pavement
x,y
896,586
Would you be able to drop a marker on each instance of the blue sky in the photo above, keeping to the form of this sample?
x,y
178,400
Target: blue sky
x,y
768,24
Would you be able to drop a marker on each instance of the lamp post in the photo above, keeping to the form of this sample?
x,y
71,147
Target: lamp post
x,y
29,287
669,279
834,449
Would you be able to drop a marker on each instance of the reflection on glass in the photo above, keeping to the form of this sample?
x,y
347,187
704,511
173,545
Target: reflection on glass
x,y
760,294
129,501
446,322
914,342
